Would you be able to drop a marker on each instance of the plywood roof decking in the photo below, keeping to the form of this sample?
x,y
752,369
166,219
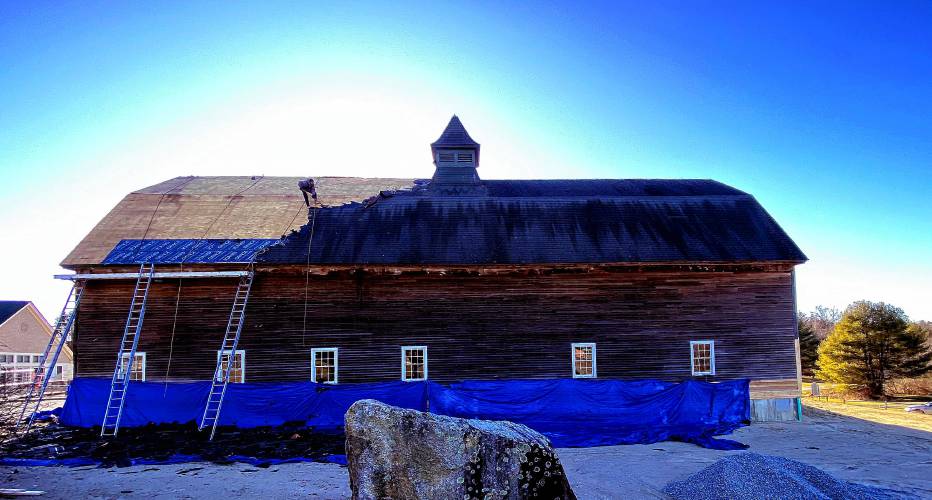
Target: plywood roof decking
x,y
217,207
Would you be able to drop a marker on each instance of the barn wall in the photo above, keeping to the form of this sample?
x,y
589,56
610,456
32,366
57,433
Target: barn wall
x,y
475,327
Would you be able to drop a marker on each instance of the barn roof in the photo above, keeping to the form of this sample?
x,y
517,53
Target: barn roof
x,y
216,208
10,307
552,221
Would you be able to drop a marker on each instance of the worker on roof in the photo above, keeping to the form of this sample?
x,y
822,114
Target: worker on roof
x,y
307,187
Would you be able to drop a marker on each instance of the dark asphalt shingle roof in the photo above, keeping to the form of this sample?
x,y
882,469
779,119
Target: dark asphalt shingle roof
x,y
10,307
454,135
546,222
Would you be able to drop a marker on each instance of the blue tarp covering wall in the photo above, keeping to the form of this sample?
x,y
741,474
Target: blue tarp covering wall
x,y
572,413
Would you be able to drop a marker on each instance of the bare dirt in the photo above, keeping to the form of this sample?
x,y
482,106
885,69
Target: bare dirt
x,y
851,449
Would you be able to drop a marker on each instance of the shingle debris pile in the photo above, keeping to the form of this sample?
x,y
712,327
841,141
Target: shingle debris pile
x,y
754,476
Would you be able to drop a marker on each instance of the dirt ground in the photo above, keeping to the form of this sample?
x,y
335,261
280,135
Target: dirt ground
x,y
872,453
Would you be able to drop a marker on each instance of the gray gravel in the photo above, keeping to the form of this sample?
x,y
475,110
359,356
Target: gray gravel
x,y
754,476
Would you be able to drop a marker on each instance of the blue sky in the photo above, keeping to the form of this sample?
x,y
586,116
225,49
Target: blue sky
x,y
821,110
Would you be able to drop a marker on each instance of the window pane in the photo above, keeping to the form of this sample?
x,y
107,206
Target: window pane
x,y
325,367
583,361
414,364
702,358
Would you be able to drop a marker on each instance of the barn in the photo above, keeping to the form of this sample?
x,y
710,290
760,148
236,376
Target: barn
x,y
385,284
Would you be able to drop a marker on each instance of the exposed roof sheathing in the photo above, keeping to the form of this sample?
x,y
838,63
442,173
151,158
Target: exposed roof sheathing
x,y
217,208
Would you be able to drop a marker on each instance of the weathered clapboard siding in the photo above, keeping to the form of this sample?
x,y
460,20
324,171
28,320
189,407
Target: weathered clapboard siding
x,y
517,325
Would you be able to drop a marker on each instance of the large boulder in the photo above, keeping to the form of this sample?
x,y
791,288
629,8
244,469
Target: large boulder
x,y
401,454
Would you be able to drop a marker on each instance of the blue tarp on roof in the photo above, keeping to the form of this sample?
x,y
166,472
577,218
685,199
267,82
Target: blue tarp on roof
x,y
204,251
571,412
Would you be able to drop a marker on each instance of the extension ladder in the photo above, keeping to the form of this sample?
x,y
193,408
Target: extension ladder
x,y
46,369
127,352
218,386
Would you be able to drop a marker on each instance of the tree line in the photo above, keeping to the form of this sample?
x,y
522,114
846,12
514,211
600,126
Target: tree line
x,y
865,346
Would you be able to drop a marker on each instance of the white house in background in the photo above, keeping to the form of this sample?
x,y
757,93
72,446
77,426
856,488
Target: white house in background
x,y
24,334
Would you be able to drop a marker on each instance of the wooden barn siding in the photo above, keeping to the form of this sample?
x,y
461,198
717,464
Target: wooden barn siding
x,y
499,326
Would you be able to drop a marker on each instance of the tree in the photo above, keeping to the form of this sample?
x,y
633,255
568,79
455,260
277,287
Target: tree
x,y
808,346
822,320
872,343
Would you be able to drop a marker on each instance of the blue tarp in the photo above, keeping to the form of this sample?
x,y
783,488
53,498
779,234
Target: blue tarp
x,y
583,413
572,413
201,251
245,405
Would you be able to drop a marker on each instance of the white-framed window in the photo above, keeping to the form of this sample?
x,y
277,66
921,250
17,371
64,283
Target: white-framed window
x,y
138,369
237,370
702,357
325,363
582,357
413,363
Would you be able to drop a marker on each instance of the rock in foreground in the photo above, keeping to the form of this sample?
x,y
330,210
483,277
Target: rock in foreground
x,y
398,453
753,476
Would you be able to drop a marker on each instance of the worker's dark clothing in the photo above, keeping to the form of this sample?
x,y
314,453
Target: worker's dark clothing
x,y
307,187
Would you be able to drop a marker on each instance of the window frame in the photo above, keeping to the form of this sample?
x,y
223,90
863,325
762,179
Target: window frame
x,y
692,357
139,355
238,352
573,347
336,364
404,350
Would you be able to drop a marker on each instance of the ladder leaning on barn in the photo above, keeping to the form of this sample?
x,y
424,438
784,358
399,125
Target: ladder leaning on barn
x,y
226,357
46,369
127,352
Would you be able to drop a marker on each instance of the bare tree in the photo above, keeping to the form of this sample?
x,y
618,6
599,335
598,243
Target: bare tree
x,y
821,320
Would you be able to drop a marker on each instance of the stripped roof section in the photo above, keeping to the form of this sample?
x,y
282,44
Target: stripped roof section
x,y
217,208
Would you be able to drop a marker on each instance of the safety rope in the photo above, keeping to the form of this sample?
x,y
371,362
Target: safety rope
x,y
171,345
307,274
152,217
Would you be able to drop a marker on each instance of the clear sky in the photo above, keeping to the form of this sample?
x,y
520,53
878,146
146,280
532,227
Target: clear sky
x,y
822,110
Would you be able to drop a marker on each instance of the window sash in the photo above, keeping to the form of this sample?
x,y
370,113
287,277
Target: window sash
x,y
702,357
583,360
238,370
138,370
413,363
325,362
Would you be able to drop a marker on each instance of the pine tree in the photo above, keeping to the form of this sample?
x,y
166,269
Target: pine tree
x,y
808,347
872,343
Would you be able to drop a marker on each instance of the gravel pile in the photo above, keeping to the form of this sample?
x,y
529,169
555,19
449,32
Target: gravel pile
x,y
754,476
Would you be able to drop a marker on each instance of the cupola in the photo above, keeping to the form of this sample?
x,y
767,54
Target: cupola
x,y
456,156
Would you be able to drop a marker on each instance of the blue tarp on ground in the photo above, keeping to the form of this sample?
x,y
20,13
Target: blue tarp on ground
x,y
572,413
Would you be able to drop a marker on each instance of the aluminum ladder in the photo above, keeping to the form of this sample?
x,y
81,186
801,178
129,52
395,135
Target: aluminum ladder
x,y
46,369
121,374
218,386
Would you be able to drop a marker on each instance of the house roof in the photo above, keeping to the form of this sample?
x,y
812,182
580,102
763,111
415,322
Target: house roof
x,y
454,136
545,222
10,307
216,208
